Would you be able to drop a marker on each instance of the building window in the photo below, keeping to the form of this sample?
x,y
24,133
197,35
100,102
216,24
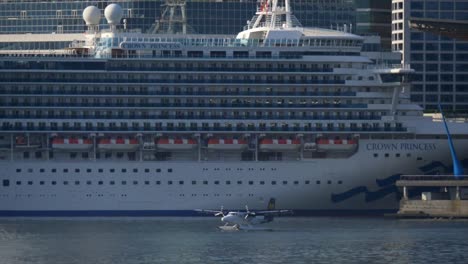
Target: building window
x,y
169,170
317,182
169,182
124,182
273,182
6,183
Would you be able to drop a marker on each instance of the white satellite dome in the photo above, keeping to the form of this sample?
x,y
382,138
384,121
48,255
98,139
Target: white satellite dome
x,y
92,15
113,13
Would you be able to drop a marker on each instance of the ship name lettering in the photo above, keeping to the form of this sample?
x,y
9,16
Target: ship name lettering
x,y
401,146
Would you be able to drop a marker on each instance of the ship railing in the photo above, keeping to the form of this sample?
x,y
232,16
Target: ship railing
x,y
182,117
389,66
202,129
155,81
187,105
175,93
432,177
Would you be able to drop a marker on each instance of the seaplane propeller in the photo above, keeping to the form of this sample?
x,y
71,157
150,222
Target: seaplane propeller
x,y
221,212
248,213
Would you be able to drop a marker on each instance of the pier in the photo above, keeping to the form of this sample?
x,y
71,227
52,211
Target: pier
x,y
433,196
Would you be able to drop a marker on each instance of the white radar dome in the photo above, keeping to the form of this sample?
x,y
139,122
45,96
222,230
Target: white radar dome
x,y
92,15
113,13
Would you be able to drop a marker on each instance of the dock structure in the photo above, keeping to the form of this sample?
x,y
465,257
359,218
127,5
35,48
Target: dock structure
x,y
433,196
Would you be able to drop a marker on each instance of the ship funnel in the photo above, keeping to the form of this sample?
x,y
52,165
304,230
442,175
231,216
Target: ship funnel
x,y
457,167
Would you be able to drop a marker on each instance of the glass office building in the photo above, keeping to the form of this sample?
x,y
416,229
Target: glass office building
x,y
441,63
204,16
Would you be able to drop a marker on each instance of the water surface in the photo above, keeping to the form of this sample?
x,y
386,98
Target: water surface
x,y
197,240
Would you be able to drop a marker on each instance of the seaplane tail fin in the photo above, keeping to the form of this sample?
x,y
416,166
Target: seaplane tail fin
x,y
271,204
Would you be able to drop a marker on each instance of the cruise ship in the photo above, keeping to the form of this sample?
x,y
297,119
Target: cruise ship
x,y
121,123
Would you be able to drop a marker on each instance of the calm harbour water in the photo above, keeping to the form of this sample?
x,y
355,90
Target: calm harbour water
x,y
197,240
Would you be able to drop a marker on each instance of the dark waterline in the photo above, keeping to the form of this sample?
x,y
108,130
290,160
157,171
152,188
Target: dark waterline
x,y
197,240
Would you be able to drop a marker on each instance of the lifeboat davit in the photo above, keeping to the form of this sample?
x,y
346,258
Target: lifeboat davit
x,y
176,144
122,144
227,144
280,144
71,143
336,144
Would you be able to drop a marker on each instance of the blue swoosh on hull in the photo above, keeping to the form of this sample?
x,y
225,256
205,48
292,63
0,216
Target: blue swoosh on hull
x,y
388,181
434,168
431,168
369,196
374,196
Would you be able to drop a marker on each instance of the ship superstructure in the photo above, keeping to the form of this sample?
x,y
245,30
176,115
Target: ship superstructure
x,y
129,123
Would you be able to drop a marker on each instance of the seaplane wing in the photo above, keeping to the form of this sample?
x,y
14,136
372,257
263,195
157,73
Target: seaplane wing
x,y
214,212
274,212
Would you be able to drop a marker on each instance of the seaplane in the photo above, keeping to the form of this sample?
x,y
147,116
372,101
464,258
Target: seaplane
x,y
246,220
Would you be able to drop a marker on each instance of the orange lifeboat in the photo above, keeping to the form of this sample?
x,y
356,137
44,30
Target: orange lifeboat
x,y
268,144
227,144
176,144
119,144
71,143
336,144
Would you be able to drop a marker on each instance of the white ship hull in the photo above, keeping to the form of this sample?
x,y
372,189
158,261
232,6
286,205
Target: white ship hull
x,y
356,184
